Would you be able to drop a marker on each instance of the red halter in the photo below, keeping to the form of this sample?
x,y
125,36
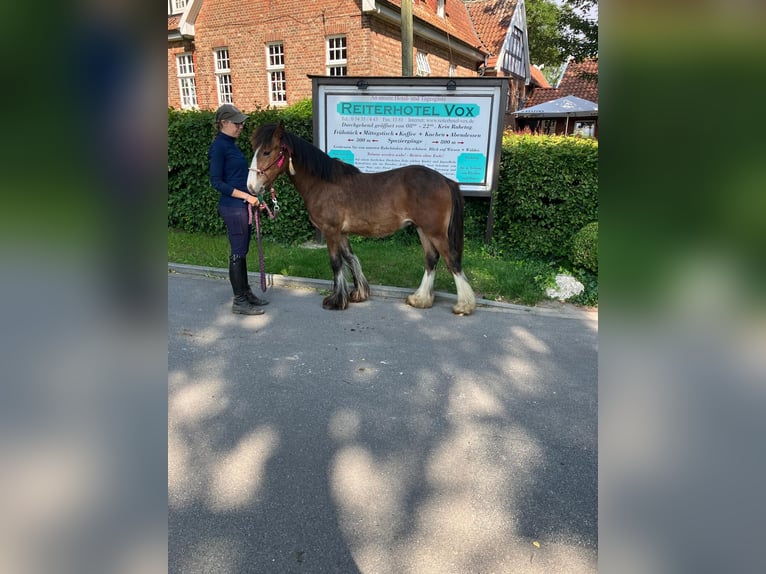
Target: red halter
x,y
279,161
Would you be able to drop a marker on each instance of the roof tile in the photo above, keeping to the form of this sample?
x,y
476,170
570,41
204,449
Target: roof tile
x,y
456,21
174,22
580,79
491,19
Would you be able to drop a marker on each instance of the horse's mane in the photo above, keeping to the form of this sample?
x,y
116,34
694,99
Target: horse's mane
x,y
316,162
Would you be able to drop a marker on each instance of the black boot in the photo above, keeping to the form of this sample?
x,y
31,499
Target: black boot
x,y
253,298
238,279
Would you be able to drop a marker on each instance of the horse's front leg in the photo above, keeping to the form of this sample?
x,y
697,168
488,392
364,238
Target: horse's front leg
x,y
361,291
338,299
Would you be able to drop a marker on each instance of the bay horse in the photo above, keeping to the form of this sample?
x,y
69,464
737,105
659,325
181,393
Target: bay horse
x,y
341,200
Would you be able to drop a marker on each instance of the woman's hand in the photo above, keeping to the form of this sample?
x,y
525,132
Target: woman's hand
x,y
253,200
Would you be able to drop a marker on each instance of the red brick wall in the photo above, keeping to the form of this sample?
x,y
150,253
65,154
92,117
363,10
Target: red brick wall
x,y
373,47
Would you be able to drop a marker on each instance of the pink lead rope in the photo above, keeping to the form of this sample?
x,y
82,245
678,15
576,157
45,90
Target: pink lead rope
x,y
258,231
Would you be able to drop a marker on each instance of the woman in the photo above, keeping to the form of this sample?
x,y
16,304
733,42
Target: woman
x,y
228,175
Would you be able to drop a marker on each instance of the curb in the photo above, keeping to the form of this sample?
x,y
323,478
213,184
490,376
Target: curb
x,y
561,310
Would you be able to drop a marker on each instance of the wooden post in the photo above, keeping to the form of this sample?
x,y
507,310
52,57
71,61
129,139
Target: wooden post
x,y
407,38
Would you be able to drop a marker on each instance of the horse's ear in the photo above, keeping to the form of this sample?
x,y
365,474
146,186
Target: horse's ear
x,y
279,132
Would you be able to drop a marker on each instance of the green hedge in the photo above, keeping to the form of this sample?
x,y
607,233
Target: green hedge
x,y
585,247
192,202
547,191
547,188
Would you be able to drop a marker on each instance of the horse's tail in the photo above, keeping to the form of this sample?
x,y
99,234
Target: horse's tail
x,y
455,229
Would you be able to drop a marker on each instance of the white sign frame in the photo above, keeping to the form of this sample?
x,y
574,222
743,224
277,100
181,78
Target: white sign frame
x,y
452,125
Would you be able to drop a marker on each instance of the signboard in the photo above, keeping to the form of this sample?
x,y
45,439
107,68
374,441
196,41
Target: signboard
x,y
452,125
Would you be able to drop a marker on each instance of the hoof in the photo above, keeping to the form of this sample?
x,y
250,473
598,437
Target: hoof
x,y
335,303
419,303
462,309
356,297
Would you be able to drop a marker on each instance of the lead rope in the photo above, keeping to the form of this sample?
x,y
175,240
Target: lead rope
x,y
272,215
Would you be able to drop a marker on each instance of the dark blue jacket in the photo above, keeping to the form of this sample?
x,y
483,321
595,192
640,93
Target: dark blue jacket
x,y
228,169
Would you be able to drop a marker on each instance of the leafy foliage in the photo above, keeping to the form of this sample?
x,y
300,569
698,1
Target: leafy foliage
x,y
547,191
543,33
585,247
547,188
578,24
192,202
557,30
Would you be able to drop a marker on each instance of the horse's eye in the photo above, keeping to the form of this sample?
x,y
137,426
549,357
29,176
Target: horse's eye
x,y
266,153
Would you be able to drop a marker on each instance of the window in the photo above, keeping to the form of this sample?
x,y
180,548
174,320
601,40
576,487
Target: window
x,y
275,66
223,76
186,85
176,6
424,69
513,59
585,129
336,56
440,8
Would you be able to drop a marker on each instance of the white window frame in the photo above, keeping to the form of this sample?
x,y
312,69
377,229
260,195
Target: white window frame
x,y
585,128
222,66
424,68
187,86
176,6
440,8
275,73
336,55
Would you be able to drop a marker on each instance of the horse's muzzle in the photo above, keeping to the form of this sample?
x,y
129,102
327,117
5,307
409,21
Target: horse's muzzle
x,y
256,181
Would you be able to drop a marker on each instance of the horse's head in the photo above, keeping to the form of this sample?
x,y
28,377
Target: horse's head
x,y
272,156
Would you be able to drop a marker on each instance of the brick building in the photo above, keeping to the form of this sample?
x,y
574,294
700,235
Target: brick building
x,y
260,53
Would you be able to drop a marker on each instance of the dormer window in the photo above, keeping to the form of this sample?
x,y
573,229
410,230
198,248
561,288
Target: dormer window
x,y
176,6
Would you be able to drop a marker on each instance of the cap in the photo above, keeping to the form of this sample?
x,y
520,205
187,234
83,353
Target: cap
x,y
230,113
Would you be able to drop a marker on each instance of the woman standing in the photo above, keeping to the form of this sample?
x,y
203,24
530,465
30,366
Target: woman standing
x,y
228,175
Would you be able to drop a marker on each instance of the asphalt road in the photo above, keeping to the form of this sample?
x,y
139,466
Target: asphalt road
x,y
381,439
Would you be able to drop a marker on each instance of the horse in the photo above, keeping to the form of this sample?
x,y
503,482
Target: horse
x,y
342,200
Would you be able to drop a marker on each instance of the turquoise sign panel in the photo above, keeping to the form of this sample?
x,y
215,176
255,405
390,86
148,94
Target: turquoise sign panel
x,y
419,110
471,167
343,155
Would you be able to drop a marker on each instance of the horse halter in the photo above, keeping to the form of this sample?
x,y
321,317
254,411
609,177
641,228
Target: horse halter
x,y
279,161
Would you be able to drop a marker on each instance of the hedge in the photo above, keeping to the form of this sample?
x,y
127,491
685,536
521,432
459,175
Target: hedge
x,y
192,202
547,189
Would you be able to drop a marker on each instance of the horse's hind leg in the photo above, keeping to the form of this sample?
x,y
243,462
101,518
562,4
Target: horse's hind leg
x,y
338,299
423,298
466,299
361,291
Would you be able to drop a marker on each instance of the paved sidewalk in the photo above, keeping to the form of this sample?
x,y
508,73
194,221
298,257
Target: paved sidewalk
x,y
380,439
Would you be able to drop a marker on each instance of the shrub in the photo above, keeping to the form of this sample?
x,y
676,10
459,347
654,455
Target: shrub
x,y
585,247
192,202
547,188
547,191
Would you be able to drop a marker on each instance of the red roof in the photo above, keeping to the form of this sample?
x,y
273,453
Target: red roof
x,y
456,21
174,22
537,77
491,19
580,79
573,83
